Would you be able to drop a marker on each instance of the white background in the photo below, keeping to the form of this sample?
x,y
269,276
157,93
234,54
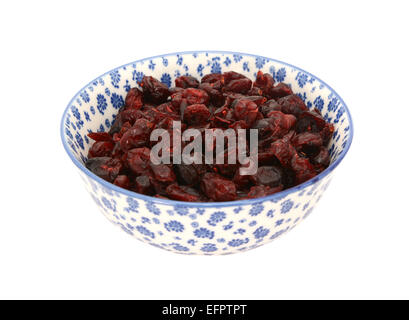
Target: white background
x,y
54,243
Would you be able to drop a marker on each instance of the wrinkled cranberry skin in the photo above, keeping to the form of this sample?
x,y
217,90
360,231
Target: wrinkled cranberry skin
x,y
292,104
245,110
138,160
308,143
303,168
179,193
268,176
292,142
218,188
186,82
100,136
239,86
154,90
137,136
134,99
101,149
122,181
105,167
196,114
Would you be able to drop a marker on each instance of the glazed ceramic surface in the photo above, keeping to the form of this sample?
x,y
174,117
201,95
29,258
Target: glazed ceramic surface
x,y
200,228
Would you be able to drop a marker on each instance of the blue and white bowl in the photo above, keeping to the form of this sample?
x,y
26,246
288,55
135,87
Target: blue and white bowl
x,y
200,228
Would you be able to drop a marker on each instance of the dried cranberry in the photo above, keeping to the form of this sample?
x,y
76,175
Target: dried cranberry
x,y
196,114
182,193
143,185
239,86
134,99
154,90
105,167
218,188
186,82
101,149
138,160
279,91
308,143
292,104
268,176
138,135
122,181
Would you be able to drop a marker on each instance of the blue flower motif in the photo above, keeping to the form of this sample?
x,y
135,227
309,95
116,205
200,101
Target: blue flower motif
x,y
216,218
92,110
194,224
302,79
246,67
305,206
209,247
152,65
179,247
86,115
339,114
107,92
152,208
280,75
115,78
179,60
260,61
270,213
101,103
117,101
308,213
237,210
166,79
200,69
237,58
137,76
200,211
133,205
84,96
256,209
252,223
145,232
192,242
333,105
80,141
75,112
216,68
174,226
108,204
181,210
279,222
240,231
238,242
204,233
227,61
165,61
278,233
286,206
319,103
68,133
228,226
261,232
177,74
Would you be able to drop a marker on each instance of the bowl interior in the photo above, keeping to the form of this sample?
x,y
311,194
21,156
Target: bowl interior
x,y
94,107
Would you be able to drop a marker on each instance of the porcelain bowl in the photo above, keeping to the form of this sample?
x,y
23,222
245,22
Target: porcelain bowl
x,y
200,228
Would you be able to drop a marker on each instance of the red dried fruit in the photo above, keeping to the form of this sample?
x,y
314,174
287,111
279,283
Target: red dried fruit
x,y
122,181
292,104
105,167
138,135
186,82
182,193
292,139
154,90
138,160
134,99
100,136
196,114
101,149
239,86
218,188
268,176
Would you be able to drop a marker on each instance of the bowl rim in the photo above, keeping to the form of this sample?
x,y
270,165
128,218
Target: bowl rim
x,y
274,197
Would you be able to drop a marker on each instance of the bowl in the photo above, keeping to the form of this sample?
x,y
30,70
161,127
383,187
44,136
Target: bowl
x,y
213,228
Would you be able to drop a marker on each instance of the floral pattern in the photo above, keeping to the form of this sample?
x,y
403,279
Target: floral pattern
x,y
194,228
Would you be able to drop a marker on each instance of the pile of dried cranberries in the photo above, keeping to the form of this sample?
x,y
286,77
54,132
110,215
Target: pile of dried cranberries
x,y
292,140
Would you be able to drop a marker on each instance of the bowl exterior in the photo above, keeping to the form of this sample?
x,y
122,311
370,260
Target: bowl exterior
x,y
194,228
